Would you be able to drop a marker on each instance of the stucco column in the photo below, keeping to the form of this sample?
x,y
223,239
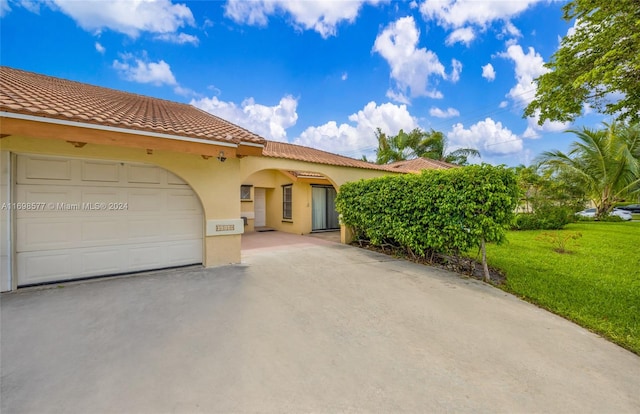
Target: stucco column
x,y
346,234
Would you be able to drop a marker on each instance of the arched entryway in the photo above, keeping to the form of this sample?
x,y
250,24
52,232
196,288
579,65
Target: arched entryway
x,y
293,201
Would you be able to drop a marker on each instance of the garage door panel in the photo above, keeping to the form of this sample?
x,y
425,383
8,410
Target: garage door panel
x,y
182,227
47,169
146,200
103,195
38,267
46,234
101,261
174,180
140,230
182,201
34,169
144,174
51,199
101,171
102,231
161,225
183,252
146,257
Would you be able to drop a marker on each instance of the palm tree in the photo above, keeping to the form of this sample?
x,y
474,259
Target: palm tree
x,y
391,148
434,146
419,143
606,162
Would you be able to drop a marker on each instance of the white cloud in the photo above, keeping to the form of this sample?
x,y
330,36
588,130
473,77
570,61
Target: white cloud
x,y
156,73
463,14
270,122
344,76
534,130
32,5
459,13
186,92
99,48
4,7
487,136
399,97
456,68
511,30
126,16
439,113
503,104
357,138
528,66
178,38
488,72
318,15
462,35
411,67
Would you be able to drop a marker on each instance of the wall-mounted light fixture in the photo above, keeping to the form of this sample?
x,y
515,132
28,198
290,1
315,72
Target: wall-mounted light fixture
x,y
221,157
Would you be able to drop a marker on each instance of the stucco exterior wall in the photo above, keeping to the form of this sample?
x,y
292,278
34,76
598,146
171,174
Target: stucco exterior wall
x,y
337,175
217,184
273,173
273,181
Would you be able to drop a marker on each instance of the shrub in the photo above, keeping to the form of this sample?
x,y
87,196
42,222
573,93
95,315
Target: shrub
x,y
444,211
560,241
545,218
611,218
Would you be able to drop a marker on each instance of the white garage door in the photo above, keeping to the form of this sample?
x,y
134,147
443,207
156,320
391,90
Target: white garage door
x,y
94,217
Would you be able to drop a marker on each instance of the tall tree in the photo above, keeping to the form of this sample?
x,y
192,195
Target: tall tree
x,y
419,143
605,162
390,148
598,64
434,146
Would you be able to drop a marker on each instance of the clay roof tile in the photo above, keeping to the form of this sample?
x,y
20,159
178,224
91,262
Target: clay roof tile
x,y
34,94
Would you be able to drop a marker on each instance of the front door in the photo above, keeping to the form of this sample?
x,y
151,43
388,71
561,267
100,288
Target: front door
x,y
324,214
260,207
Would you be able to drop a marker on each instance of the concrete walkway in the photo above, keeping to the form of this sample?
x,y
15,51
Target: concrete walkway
x,y
304,325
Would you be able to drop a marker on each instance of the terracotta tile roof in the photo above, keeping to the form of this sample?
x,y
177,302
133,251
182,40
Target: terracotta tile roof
x,y
45,96
299,153
418,164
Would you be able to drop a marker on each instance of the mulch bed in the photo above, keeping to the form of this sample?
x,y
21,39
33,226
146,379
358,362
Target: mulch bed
x,y
462,265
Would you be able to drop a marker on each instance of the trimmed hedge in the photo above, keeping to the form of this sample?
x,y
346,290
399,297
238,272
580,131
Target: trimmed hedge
x,y
444,211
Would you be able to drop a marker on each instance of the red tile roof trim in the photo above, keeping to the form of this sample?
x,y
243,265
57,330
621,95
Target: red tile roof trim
x,y
299,153
275,149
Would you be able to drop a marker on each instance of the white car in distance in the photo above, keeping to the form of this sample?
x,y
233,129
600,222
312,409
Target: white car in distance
x,y
591,212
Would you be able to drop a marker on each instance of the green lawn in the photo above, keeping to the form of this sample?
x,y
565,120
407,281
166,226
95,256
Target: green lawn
x,y
597,286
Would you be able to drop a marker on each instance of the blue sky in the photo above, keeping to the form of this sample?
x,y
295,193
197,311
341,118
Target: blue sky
x,y
320,74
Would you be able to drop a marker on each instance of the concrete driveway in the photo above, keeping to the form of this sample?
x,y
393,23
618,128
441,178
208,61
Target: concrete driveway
x,y
304,325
